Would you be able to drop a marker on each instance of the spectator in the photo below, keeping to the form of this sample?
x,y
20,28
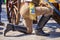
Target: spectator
x,y
0,12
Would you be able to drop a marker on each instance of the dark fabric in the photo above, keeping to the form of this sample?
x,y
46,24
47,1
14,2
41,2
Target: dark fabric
x,y
0,6
1,2
0,9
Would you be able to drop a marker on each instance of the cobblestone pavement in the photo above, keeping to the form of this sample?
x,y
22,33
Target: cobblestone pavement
x,y
51,27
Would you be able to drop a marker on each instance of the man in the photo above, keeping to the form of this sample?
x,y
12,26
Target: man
x,y
0,12
46,11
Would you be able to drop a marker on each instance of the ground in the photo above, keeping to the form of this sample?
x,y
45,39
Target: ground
x,y
51,27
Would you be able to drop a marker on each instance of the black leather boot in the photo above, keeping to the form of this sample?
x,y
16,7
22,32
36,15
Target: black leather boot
x,y
44,19
8,28
15,28
20,29
41,32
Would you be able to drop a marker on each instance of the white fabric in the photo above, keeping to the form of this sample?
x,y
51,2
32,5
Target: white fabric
x,y
28,0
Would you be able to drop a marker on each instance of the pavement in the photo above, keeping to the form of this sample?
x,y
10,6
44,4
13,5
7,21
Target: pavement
x,y
51,27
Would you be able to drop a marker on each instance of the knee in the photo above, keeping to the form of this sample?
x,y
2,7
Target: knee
x,y
28,23
51,11
29,31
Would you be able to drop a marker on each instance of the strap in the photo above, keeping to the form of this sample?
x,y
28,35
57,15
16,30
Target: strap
x,y
54,8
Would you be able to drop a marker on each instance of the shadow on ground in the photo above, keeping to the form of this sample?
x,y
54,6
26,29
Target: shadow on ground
x,y
53,25
1,29
20,35
54,35
1,33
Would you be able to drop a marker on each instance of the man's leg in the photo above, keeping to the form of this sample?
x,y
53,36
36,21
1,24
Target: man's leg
x,y
28,23
44,19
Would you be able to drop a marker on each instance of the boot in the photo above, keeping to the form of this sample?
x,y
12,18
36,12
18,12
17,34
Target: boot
x,y
44,19
15,28
41,32
20,29
8,28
